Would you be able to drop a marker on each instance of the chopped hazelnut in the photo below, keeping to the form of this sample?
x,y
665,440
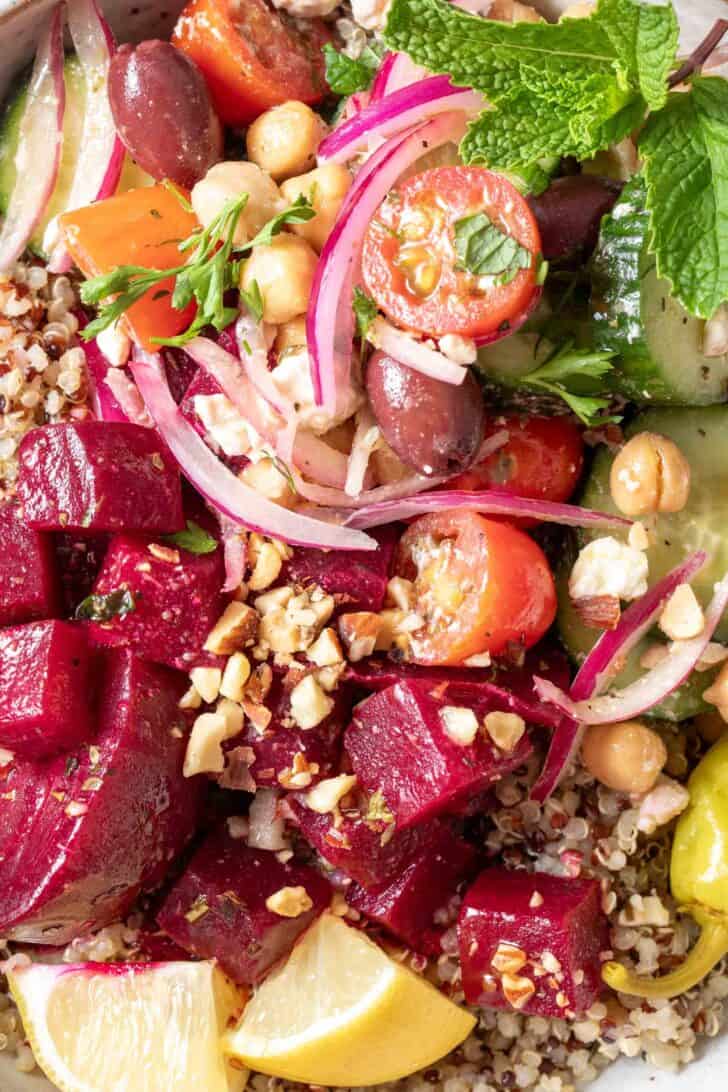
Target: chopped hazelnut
x,y
267,568
273,600
505,729
235,676
237,624
401,593
191,699
326,649
204,747
536,900
508,959
206,681
233,715
637,537
517,990
309,704
289,902
300,774
683,616
460,724
164,553
325,796
359,632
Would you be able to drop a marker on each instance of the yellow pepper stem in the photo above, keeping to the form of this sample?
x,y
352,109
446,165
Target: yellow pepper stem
x,y
711,946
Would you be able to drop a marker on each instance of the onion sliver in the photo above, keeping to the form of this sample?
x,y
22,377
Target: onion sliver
x,y
40,140
563,747
101,156
415,354
396,70
395,112
652,687
219,486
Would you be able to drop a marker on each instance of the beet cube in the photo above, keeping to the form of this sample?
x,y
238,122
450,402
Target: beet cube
x,y
407,905
356,578
531,941
99,476
398,745
82,834
217,909
79,559
27,570
45,688
176,599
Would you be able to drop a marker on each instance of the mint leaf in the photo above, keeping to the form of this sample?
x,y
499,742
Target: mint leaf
x,y
102,608
569,367
365,312
194,539
483,249
645,38
346,76
685,153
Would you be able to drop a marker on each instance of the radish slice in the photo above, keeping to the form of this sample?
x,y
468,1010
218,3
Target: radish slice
x,y
98,167
219,486
490,502
653,687
40,141
330,320
394,113
415,354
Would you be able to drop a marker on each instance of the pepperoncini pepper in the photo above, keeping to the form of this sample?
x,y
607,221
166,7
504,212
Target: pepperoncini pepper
x,y
698,878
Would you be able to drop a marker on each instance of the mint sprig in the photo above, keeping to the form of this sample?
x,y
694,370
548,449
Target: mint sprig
x,y
484,250
345,75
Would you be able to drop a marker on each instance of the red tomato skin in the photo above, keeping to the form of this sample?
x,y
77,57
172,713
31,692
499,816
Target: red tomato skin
x,y
517,600
250,58
444,195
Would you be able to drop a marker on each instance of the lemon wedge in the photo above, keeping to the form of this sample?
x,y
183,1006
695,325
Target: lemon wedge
x,y
341,1012
129,1027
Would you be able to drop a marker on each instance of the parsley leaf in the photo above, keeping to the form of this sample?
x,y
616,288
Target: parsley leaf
x,y
102,608
346,76
365,312
567,366
685,153
300,212
253,300
194,539
484,249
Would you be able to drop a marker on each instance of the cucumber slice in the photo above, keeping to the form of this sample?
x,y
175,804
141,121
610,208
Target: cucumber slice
x,y
633,314
132,176
701,434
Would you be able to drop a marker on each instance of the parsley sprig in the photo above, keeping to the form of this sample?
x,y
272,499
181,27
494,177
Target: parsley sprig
x,y
212,268
567,374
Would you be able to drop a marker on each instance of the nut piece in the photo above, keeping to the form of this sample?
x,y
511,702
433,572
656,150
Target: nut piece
x,y
505,729
266,478
460,724
235,676
627,757
508,958
650,474
325,796
289,902
717,694
401,593
268,565
237,624
683,616
206,681
359,632
517,990
204,751
326,649
309,704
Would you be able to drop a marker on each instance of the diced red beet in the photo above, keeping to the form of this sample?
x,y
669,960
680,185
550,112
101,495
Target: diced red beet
x,y
79,559
81,835
99,476
180,370
176,595
398,745
553,926
356,578
28,582
154,946
217,909
407,905
45,689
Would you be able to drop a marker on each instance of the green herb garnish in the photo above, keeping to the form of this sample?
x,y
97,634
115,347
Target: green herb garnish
x,y
346,76
102,608
377,809
568,366
194,539
365,312
484,249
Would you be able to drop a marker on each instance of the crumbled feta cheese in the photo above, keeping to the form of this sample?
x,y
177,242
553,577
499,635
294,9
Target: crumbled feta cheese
x,y
224,425
292,376
607,566
370,14
115,344
461,350
661,804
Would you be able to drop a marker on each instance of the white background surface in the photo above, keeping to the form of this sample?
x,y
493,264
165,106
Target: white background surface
x,y
710,1072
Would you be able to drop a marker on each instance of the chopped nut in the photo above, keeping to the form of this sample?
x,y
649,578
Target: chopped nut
x,y
359,632
329,678
260,683
265,478
191,699
550,963
517,990
326,649
712,654
235,676
233,715
664,802
206,681
460,724
390,622
258,715
6,757
598,611
536,900
638,538
289,902
273,600
717,694
508,958
300,774
309,704
267,568
204,747
197,910
401,593
325,797
164,553
236,625
280,634
505,729
683,616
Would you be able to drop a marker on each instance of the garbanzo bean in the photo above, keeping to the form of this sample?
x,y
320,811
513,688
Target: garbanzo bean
x,y
232,179
291,335
284,140
650,474
284,272
326,188
717,692
627,757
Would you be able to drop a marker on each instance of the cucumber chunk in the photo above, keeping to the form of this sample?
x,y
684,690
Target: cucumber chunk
x,y
634,314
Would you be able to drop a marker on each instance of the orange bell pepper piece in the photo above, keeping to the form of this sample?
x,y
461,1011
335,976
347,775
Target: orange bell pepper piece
x,y
140,227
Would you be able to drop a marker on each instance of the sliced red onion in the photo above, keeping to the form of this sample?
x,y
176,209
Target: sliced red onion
x,y
394,113
490,502
653,687
379,84
126,395
40,140
563,749
105,405
219,486
330,320
614,645
366,438
415,354
235,553
101,156
253,351
396,70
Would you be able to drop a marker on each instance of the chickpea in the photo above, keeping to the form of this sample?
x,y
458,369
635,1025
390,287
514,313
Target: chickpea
x,y
326,188
284,271
284,140
717,693
226,180
627,757
581,10
650,474
291,335
512,11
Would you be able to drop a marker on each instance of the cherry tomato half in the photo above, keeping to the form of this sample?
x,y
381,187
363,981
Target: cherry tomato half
x,y
409,261
252,57
478,584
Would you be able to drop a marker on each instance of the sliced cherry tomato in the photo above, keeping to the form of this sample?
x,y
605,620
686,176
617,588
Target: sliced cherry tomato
x,y
479,585
252,57
412,270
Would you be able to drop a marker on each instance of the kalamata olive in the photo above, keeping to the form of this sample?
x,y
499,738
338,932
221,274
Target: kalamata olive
x,y
435,427
163,113
569,213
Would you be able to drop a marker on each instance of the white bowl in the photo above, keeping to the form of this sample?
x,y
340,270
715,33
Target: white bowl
x,y
136,19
